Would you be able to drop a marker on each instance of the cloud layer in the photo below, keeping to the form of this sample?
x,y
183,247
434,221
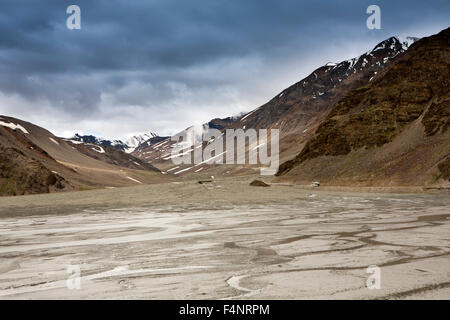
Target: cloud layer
x,y
162,65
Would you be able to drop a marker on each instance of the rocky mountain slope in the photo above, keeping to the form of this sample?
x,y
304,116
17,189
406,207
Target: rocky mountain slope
x,y
394,130
32,160
25,168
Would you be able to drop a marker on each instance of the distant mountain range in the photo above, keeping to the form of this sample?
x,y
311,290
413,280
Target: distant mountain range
x,y
298,110
128,145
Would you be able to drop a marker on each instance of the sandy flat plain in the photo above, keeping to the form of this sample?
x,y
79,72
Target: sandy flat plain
x,y
224,240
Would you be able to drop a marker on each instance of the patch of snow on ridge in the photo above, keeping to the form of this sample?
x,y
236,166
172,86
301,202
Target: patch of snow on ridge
x,y
136,141
53,140
14,126
171,169
351,62
248,114
99,150
260,145
183,170
137,181
406,41
381,46
364,62
75,141
209,160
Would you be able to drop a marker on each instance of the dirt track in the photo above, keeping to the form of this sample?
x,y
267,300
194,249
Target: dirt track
x,y
315,245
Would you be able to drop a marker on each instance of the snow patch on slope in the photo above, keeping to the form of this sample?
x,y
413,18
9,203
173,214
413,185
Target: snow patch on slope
x,y
136,141
406,41
14,126
99,150
54,141
137,181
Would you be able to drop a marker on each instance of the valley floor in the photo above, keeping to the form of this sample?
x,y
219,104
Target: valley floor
x,y
224,240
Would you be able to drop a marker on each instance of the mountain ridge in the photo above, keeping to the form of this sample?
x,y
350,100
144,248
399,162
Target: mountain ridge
x,y
408,102
33,160
127,145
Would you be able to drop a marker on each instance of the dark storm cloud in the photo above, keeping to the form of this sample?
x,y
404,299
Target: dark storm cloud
x,y
170,57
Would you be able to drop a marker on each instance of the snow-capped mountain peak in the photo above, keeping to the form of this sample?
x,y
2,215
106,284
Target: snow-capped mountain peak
x,y
406,41
135,141
128,145
380,54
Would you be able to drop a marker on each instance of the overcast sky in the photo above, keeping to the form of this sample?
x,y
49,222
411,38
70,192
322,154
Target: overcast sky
x,y
163,65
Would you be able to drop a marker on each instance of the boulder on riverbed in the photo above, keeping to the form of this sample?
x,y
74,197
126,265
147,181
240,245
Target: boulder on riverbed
x,y
259,183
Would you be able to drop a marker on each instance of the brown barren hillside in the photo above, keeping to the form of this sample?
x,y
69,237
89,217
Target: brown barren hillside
x,y
33,160
392,131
